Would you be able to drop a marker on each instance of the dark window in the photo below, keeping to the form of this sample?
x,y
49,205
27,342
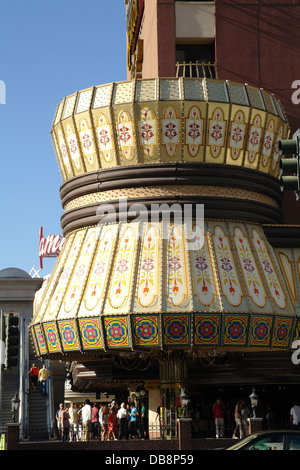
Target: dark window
x,y
193,53
294,442
271,442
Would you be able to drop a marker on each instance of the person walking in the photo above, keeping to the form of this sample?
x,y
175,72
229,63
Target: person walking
x,y
144,422
245,415
42,377
65,423
100,421
73,422
34,374
122,416
58,422
105,423
95,421
112,425
133,421
114,407
295,415
128,417
86,419
218,413
238,421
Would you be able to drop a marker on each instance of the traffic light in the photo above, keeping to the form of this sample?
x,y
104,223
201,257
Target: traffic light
x,y
290,171
11,334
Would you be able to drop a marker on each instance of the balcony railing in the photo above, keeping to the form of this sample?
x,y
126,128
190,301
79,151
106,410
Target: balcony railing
x,y
196,70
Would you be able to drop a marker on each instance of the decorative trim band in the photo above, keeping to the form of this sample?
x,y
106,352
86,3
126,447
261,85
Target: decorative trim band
x,y
142,176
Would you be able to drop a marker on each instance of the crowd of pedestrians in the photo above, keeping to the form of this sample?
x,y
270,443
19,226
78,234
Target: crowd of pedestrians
x,y
106,422
242,413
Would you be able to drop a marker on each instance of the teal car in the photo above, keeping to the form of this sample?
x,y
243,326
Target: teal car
x,y
269,440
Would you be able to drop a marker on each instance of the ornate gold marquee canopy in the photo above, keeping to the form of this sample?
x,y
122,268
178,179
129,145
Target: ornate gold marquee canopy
x,y
123,283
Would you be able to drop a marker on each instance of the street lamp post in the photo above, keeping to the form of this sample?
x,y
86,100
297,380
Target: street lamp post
x,y
185,400
254,402
15,403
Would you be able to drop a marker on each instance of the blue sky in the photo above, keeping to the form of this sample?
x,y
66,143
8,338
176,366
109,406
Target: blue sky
x,y
49,49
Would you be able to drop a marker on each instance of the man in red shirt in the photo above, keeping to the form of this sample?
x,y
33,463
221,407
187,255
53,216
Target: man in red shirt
x,y
34,373
218,412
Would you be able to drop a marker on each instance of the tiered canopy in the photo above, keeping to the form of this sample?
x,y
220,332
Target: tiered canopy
x,y
137,284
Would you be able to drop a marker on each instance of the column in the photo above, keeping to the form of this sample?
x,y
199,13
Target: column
x,y
173,377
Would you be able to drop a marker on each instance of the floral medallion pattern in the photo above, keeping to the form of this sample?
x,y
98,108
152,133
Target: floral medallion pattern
x,y
77,281
40,340
176,274
236,329
52,337
261,331
249,269
255,132
176,329
94,292
207,329
65,275
282,332
216,132
69,336
87,142
202,272
194,131
73,147
170,131
104,137
121,279
125,135
268,143
64,151
91,337
228,276
147,131
116,332
148,277
269,270
237,135
145,330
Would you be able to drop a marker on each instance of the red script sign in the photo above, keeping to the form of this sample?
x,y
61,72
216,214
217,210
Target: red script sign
x,y
49,247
